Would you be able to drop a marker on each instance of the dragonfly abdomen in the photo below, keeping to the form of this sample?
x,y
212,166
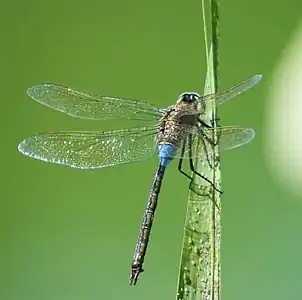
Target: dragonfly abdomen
x,y
143,239
166,153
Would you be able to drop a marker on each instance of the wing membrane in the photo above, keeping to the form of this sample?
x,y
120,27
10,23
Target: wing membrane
x,y
230,137
81,105
91,150
233,91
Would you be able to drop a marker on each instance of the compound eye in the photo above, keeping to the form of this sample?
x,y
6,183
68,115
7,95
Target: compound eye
x,y
193,97
188,97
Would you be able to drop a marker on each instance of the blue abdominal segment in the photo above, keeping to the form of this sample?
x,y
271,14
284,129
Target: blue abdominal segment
x,y
166,153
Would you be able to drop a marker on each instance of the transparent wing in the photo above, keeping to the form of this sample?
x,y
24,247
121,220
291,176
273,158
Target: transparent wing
x,y
233,91
230,137
81,105
91,150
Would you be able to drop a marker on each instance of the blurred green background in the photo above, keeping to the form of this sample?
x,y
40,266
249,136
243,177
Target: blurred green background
x,y
68,234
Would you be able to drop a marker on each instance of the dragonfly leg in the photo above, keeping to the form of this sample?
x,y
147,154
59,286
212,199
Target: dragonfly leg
x,y
203,177
181,160
212,142
203,123
213,122
192,165
193,169
181,171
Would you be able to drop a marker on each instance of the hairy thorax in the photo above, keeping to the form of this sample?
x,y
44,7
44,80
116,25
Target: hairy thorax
x,y
176,124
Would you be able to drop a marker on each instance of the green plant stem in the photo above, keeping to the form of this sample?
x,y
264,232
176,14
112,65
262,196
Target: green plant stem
x,y
199,273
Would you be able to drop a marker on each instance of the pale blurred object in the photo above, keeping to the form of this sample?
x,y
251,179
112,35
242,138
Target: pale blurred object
x,y
283,137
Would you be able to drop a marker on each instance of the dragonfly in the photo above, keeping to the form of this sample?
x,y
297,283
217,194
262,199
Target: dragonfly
x,y
173,131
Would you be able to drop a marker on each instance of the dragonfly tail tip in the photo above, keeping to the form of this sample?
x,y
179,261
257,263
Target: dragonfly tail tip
x,y
134,275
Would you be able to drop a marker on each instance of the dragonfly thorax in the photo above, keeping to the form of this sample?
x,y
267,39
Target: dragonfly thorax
x,y
188,97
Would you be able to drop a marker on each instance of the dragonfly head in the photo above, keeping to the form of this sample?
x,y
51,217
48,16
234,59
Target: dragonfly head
x,y
188,97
